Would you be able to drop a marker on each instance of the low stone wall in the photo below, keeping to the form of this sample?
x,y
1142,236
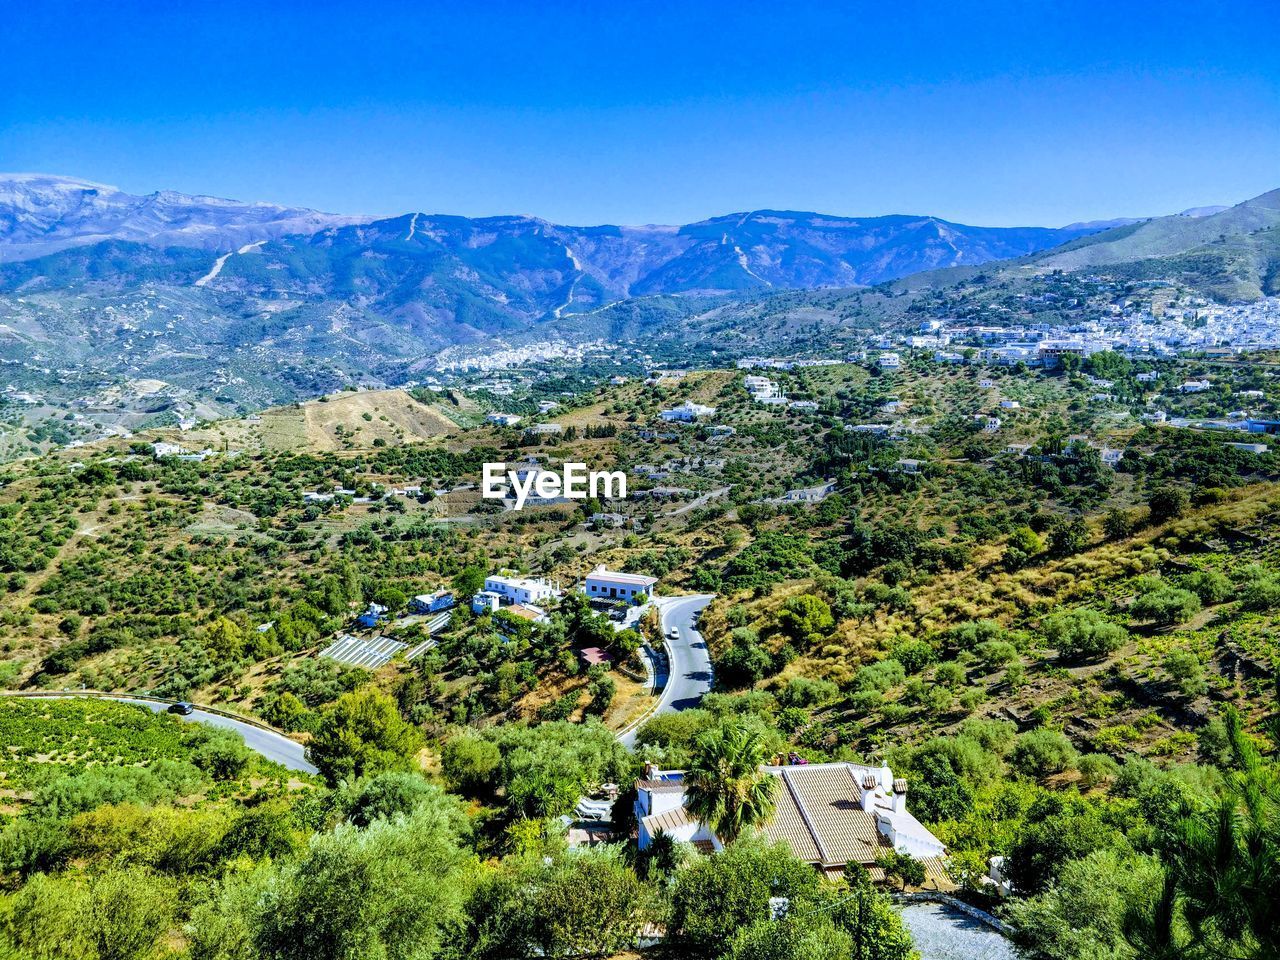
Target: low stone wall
x,y
955,903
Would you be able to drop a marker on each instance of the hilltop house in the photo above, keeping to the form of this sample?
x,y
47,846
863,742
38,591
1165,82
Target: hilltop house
x,y
503,419
688,412
485,602
525,590
431,602
372,616
605,584
829,814
889,361
160,449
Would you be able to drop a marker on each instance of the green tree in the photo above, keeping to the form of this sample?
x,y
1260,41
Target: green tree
x,y
1119,524
907,869
589,904
393,891
468,582
387,795
791,938
1165,605
118,914
1068,536
468,761
1023,545
715,897
1168,503
1043,752
1083,913
362,733
1083,633
725,787
806,619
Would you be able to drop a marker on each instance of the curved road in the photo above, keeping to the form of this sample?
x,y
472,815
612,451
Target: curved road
x,y
689,661
274,746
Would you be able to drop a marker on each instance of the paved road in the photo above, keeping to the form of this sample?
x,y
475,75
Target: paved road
x,y
689,672
272,745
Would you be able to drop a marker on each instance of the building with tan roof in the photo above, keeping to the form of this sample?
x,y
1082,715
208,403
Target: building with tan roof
x,y
829,814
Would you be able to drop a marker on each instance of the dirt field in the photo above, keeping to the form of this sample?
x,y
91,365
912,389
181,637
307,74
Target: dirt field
x,y
346,421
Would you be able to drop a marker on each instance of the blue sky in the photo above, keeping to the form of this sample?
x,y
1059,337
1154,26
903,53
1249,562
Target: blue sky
x,y
648,112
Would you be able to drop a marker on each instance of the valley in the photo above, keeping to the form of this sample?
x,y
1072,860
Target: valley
x,y
995,543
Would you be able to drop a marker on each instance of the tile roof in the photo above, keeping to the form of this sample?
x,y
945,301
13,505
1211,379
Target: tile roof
x,y
613,576
819,815
670,820
661,786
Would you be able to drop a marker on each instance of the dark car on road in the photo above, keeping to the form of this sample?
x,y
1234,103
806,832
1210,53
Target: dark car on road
x,y
183,709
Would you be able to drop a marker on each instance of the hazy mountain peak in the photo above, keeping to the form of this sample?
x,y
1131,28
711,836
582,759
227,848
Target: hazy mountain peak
x,y
43,213
1207,211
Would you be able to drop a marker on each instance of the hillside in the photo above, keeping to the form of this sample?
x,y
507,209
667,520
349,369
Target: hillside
x,y
1063,651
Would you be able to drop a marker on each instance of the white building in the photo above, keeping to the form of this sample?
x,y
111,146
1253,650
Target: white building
x,y
503,419
525,590
485,602
889,361
162,449
829,814
688,412
760,387
1195,386
603,583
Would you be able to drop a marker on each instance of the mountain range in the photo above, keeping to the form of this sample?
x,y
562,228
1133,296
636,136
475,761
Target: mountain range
x,y
262,303
529,265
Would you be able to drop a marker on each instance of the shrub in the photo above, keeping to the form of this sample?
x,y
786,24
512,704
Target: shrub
x,y
1260,590
1209,585
950,674
997,653
914,655
1083,633
1042,753
1185,670
1097,768
880,676
1166,606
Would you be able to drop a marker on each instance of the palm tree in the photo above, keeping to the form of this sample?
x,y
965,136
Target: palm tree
x,y
1222,866
725,787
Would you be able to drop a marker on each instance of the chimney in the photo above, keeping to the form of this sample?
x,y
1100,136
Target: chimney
x,y
868,791
899,795
650,771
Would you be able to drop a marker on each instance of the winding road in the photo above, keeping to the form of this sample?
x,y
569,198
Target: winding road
x,y
270,744
688,676
685,682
